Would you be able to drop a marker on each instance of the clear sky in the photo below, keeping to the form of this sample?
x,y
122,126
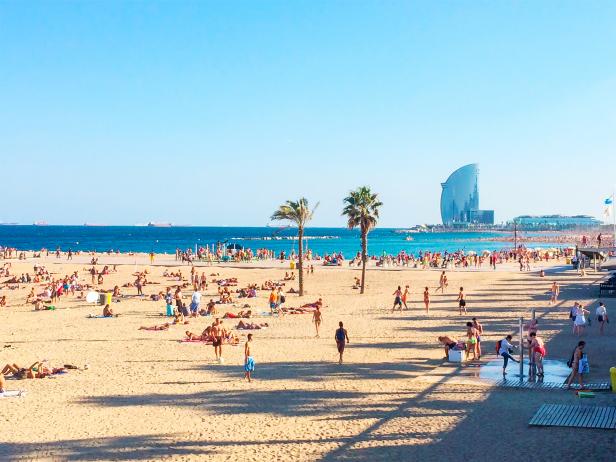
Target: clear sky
x,y
215,112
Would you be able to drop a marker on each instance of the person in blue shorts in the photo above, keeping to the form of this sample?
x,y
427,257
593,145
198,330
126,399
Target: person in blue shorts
x,y
249,362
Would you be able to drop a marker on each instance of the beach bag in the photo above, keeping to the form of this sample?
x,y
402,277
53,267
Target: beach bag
x,y
282,299
584,367
498,345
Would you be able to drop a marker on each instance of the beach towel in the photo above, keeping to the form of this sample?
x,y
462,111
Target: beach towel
x,y
99,316
12,393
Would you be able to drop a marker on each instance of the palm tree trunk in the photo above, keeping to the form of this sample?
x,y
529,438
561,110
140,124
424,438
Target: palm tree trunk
x,y
364,257
300,235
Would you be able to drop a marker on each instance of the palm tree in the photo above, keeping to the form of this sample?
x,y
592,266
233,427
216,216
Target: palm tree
x,y
362,209
299,214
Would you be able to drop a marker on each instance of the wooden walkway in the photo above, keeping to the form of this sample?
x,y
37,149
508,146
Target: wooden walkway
x,y
512,383
564,415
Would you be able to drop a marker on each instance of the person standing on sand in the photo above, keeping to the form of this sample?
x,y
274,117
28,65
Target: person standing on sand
x,y
398,299
479,328
217,335
249,362
426,299
471,344
317,318
405,296
461,301
342,338
555,292
151,258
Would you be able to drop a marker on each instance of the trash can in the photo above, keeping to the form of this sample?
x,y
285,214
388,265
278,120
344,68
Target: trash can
x,y
292,264
613,378
108,298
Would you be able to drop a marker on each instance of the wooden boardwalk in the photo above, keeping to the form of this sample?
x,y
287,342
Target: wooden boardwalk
x,y
512,383
564,415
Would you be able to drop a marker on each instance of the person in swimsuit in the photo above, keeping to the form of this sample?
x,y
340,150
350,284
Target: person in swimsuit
x,y
317,318
471,343
442,283
555,291
342,338
577,364
479,327
249,362
538,352
449,343
405,295
426,298
397,299
461,301
217,333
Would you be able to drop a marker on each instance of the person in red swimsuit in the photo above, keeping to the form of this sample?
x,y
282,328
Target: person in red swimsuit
x,y
537,349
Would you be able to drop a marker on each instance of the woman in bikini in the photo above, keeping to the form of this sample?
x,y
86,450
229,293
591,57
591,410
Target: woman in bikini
x,y
426,298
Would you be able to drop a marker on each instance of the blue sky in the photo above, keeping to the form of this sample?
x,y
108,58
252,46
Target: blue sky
x,y
214,112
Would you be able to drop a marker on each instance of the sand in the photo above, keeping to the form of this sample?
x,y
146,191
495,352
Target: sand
x,y
146,396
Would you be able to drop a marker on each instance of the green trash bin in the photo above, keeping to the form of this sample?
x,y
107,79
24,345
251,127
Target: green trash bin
x,y
613,378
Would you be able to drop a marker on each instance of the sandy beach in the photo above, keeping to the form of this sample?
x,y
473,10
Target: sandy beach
x,y
147,396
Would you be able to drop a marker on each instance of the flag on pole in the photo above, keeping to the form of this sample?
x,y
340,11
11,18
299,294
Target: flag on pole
x,y
608,204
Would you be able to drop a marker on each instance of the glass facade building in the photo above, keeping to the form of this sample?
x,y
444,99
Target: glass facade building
x,y
556,222
460,199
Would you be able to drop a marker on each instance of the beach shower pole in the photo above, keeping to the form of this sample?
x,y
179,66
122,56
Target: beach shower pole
x,y
521,348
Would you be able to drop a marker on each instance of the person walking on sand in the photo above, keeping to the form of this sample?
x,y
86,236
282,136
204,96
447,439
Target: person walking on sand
x,y
602,318
398,299
405,296
426,299
504,349
317,318
462,301
249,362
442,283
342,338
580,320
555,292
578,364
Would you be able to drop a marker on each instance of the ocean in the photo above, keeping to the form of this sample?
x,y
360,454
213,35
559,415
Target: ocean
x,y
320,240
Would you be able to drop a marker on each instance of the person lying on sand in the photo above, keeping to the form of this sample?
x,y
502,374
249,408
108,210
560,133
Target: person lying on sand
x,y
36,371
241,314
161,327
251,325
318,303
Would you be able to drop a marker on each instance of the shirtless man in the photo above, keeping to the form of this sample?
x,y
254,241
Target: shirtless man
x,y
449,344
249,362
317,318
217,333
462,301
